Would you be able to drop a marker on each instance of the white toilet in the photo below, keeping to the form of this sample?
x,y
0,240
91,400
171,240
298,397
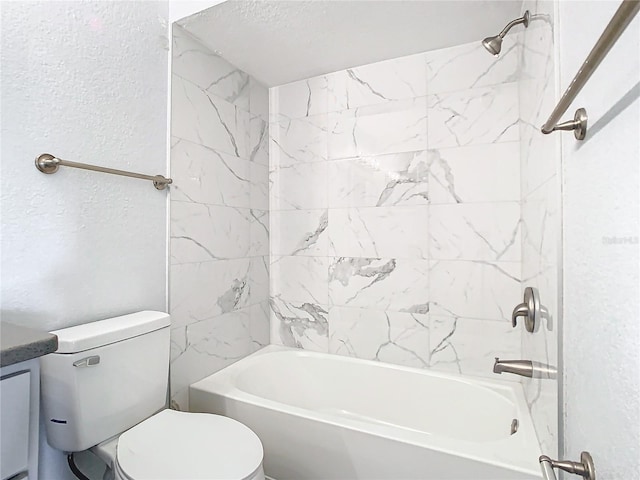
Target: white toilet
x,y
105,389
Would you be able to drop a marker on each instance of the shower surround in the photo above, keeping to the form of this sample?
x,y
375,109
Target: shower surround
x,y
409,201
219,280
395,210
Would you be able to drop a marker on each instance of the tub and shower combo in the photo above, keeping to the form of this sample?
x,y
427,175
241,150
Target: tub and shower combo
x,y
323,416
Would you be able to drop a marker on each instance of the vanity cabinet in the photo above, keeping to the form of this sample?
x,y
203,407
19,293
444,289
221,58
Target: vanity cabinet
x,y
20,349
19,412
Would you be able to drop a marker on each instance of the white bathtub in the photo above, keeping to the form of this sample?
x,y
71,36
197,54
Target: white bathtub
x,y
324,416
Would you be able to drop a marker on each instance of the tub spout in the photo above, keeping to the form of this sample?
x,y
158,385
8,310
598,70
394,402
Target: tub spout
x,y
519,367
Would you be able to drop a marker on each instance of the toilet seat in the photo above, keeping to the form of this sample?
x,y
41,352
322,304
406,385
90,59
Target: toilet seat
x,y
174,445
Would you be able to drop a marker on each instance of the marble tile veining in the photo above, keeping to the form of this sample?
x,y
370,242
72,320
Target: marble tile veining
x,y
203,290
204,175
468,66
300,140
475,231
259,186
300,232
211,344
391,127
382,284
380,82
258,148
300,324
395,232
383,180
304,98
454,345
300,279
219,225
209,71
201,233
258,279
540,228
202,118
258,99
393,337
302,186
474,289
479,173
471,117
259,233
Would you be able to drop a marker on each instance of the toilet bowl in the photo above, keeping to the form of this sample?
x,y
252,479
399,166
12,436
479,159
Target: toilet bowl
x,y
173,445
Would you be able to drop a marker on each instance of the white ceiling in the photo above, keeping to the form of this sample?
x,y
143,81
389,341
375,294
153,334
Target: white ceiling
x,y
278,41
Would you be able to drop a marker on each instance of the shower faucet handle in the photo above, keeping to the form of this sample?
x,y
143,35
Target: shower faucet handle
x,y
521,310
529,310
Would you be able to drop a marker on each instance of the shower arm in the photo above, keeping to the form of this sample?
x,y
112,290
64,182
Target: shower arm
x,y
524,19
510,25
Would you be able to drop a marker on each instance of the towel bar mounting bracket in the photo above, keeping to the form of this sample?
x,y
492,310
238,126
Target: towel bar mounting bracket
x,y
578,125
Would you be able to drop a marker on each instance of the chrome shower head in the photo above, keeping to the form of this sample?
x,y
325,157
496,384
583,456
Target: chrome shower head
x,y
494,44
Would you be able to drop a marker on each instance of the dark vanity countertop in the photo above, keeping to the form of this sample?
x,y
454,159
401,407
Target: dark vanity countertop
x,y
18,344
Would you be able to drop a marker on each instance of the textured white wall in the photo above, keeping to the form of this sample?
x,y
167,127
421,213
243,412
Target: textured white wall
x,y
86,81
601,208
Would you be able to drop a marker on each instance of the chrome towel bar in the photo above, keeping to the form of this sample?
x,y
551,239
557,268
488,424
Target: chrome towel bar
x,y
619,22
48,163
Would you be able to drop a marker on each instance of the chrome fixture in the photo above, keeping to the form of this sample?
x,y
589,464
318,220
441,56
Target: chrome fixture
x,y
523,368
621,19
584,468
530,310
526,368
514,425
578,125
87,361
47,163
494,44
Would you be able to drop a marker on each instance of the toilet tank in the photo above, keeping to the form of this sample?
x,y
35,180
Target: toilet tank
x,y
105,377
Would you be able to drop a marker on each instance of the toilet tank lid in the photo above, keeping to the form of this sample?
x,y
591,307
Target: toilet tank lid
x,y
103,332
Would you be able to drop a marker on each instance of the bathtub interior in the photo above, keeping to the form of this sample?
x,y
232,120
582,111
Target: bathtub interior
x,y
458,417
335,389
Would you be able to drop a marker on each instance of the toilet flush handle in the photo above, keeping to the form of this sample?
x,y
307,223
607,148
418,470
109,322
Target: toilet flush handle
x,y
91,361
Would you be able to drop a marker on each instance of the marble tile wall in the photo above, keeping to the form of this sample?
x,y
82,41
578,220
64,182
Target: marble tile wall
x,y
395,210
219,226
541,220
